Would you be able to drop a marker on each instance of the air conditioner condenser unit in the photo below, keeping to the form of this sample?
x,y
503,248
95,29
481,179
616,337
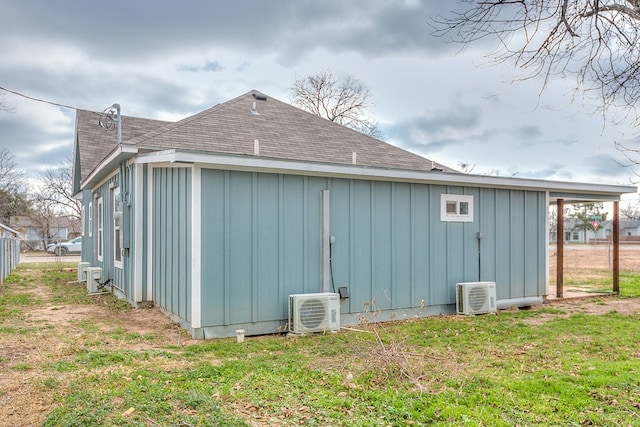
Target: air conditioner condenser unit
x,y
476,298
82,271
316,312
94,277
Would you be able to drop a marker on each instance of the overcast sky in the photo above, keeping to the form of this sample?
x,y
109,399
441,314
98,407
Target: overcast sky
x,y
168,59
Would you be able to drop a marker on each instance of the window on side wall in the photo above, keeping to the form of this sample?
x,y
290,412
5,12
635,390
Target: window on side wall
x,y
456,208
100,231
90,220
117,228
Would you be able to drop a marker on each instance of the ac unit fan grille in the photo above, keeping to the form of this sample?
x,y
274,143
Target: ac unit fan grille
x,y
477,298
312,313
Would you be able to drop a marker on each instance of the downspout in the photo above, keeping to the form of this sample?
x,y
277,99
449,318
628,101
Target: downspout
x,y
325,242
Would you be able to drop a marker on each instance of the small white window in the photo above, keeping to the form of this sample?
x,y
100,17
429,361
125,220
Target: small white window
x,y
456,208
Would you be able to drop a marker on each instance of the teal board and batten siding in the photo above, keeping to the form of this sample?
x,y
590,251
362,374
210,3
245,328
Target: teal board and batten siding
x,y
171,240
261,242
110,272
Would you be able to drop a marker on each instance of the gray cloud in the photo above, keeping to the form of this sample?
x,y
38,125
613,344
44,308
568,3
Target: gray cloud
x,y
426,131
167,60
126,30
608,167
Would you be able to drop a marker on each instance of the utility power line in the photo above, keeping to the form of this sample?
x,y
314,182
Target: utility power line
x,y
37,99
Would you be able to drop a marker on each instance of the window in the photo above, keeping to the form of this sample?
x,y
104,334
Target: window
x,y
90,220
100,236
456,208
117,228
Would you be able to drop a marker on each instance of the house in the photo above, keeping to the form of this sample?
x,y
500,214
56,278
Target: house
x,y
37,232
628,228
219,217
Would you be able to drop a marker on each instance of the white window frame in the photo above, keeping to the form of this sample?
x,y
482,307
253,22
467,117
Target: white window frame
x,y
117,228
100,230
90,220
456,208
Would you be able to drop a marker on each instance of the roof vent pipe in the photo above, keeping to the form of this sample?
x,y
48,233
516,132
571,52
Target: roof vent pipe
x,y
260,96
118,122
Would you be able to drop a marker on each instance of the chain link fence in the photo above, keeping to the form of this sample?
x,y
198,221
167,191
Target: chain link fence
x,y
9,255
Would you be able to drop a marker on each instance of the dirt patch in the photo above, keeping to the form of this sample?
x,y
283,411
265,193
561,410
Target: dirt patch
x,y
598,305
48,334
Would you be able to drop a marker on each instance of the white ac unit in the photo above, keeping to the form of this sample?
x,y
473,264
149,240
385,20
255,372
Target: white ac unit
x,y
314,312
94,276
82,271
476,297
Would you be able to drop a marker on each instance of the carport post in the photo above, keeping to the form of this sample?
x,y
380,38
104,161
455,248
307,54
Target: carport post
x,y
616,247
560,249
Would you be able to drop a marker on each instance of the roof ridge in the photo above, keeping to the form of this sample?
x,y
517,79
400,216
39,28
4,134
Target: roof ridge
x,y
186,120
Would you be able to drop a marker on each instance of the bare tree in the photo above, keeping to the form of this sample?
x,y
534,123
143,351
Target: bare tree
x,y
630,212
44,219
345,101
13,200
56,189
598,41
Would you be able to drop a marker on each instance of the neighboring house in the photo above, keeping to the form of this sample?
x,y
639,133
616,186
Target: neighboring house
x,y
217,218
628,230
572,234
37,234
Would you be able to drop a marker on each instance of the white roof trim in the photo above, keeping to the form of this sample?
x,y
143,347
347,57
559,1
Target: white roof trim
x,y
120,153
259,164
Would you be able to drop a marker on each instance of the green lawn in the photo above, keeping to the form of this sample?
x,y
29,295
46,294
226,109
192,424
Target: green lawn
x,y
535,367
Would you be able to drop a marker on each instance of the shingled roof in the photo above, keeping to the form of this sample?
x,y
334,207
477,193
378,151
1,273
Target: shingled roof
x,y
283,132
93,143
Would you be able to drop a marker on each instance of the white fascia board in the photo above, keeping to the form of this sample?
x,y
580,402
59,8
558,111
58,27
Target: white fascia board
x,y
106,166
259,164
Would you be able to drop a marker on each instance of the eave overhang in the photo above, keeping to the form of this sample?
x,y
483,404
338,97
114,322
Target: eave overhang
x,y
573,191
118,155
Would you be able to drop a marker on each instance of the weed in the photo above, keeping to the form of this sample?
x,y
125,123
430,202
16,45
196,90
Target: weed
x,y
21,367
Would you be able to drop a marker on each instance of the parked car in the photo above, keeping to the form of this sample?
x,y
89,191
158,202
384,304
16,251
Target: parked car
x,y
73,246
